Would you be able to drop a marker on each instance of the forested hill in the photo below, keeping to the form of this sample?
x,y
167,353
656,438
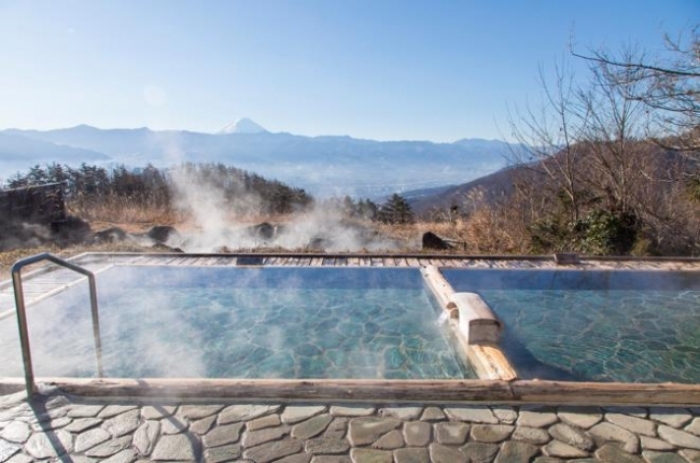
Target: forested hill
x,y
233,188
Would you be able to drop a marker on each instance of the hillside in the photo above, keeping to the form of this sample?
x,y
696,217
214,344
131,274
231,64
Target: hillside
x,y
324,165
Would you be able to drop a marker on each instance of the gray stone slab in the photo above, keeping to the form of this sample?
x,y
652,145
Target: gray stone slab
x,y
223,454
8,449
582,417
298,458
451,432
572,436
417,433
327,445
89,439
364,431
22,458
674,417
331,459
52,424
390,441
85,411
251,439
145,437
537,436
109,448
412,455
516,452
693,456
173,425
49,445
536,419
614,454
351,411
480,452
83,424
177,447
473,414
235,413
272,451
17,432
111,411
639,412
633,424
371,456
433,414
506,415
491,433
222,435
312,427
679,438
197,412
694,427
123,424
125,456
268,421
203,426
559,449
294,414
652,443
402,413
156,412
338,428
653,456
606,432
443,454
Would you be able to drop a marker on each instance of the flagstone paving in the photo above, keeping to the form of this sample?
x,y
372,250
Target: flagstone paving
x,y
56,427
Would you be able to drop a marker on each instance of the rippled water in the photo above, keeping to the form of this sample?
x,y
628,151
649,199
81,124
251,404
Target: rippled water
x,y
242,323
595,326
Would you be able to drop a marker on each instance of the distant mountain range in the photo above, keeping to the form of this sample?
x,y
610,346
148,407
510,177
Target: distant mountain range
x,y
324,165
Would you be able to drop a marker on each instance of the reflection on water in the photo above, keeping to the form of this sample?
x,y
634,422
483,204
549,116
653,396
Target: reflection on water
x,y
628,326
242,323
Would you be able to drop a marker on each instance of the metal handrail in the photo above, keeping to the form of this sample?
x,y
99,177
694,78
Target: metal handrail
x,y
22,313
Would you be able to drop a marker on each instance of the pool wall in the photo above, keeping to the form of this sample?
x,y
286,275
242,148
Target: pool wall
x,y
39,283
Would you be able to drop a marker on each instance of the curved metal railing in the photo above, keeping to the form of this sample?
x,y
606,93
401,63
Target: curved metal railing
x,y
22,313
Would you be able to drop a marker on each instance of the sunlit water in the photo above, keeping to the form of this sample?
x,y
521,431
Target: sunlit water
x,y
242,323
627,326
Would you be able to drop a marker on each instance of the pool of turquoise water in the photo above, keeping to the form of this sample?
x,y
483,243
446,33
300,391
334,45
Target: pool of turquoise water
x,y
627,326
228,322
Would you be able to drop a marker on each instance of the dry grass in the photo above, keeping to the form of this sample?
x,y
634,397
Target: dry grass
x,y
126,213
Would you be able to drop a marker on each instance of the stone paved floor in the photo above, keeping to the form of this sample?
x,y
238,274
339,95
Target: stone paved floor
x,y
55,427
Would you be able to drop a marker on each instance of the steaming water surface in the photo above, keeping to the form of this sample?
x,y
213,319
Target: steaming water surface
x,y
241,323
627,326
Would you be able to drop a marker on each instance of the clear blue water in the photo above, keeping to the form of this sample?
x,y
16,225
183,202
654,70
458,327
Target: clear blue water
x,y
628,326
242,323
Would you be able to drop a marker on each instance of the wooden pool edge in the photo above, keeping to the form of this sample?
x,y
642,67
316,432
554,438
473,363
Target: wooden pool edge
x,y
376,391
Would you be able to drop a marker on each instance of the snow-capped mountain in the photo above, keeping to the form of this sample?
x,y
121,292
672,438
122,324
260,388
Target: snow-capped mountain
x,y
243,125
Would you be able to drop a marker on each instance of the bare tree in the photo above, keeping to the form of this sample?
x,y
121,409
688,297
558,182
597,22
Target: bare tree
x,y
668,87
549,136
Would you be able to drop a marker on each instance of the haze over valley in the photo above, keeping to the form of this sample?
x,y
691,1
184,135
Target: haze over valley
x,y
324,165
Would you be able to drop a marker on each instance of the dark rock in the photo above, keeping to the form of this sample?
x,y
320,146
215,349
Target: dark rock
x,y
163,233
318,243
264,230
432,241
110,235
166,248
70,231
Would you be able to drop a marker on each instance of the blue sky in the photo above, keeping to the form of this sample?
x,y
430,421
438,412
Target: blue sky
x,y
379,69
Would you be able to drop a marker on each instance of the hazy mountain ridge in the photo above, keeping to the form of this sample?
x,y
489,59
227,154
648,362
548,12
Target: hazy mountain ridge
x,y
323,165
